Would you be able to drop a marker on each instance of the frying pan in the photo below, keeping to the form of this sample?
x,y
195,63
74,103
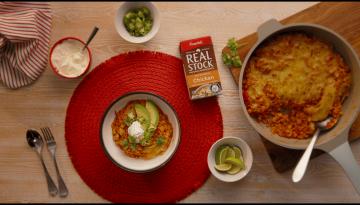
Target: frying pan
x,y
334,142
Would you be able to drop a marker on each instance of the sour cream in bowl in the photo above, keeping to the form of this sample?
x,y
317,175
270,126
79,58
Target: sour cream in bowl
x,y
67,58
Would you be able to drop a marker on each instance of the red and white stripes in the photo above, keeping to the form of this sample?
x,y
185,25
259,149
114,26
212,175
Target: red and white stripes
x,y
24,41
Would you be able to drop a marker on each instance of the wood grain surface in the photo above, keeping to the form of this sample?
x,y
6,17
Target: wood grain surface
x,y
343,18
44,104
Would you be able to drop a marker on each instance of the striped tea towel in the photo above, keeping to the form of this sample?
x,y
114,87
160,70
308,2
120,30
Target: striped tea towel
x,y
24,41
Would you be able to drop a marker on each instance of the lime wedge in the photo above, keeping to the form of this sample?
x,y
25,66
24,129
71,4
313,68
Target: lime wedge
x,y
234,170
223,167
217,153
230,153
237,151
236,162
223,155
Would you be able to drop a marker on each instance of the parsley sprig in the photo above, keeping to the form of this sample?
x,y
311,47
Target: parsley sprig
x,y
232,59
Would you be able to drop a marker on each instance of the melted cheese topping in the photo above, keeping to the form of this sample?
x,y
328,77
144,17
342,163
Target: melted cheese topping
x,y
295,71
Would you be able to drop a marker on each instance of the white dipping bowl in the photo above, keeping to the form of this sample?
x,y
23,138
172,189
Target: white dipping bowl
x,y
116,154
121,29
246,152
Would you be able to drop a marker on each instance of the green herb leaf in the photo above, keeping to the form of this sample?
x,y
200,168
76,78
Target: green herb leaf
x,y
129,120
160,140
125,143
237,62
226,59
232,59
147,135
133,146
232,44
234,53
132,139
145,142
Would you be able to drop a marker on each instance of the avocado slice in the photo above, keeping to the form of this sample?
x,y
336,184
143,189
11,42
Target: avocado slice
x,y
154,114
142,115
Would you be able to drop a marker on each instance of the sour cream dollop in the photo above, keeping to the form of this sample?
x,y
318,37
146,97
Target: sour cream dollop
x,y
136,131
69,59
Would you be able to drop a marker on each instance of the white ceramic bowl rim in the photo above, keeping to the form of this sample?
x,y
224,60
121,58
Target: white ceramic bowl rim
x,y
106,113
248,158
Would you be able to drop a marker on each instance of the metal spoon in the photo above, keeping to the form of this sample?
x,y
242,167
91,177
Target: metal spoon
x,y
36,143
303,163
93,33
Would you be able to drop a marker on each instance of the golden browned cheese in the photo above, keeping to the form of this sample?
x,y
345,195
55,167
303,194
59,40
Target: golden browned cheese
x,y
120,134
294,80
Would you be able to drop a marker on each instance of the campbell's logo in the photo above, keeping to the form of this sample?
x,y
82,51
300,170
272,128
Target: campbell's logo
x,y
195,43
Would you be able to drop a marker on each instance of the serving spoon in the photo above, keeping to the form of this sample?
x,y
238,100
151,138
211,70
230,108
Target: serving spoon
x,y
36,143
93,33
304,161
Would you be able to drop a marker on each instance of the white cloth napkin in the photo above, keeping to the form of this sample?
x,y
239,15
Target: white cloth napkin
x,y
24,41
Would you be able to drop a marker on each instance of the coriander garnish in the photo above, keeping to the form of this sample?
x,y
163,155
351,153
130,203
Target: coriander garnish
x,y
132,139
232,59
133,146
128,121
160,140
125,143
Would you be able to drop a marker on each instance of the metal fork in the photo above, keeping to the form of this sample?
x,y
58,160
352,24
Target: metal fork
x,y
51,145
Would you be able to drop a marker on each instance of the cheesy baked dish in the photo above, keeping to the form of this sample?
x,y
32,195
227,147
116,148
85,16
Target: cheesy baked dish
x,y
294,80
142,130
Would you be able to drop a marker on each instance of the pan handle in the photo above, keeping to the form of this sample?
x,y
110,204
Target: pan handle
x,y
267,28
345,157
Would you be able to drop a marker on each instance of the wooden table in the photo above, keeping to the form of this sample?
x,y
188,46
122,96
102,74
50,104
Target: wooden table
x,y
44,104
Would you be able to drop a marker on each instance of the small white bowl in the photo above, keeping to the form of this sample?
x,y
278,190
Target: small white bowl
x,y
121,29
117,156
247,155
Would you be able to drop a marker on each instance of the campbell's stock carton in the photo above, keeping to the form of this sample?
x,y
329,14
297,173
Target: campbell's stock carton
x,y
200,68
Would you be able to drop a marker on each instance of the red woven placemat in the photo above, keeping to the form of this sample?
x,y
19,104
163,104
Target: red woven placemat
x,y
161,74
